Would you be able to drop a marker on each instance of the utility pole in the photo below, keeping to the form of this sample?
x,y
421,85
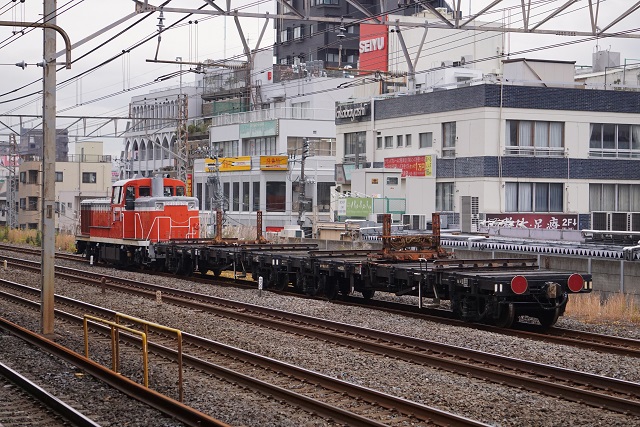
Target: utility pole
x,y
12,185
48,170
302,200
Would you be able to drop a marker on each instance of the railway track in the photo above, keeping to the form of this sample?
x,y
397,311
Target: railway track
x,y
23,402
604,343
170,407
319,394
616,395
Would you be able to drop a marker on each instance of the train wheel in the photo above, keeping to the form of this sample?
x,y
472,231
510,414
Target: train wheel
x,y
368,293
279,283
331,289
507,316
548,318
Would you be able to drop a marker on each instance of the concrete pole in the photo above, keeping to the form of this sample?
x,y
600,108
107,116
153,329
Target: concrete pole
x,y
48,170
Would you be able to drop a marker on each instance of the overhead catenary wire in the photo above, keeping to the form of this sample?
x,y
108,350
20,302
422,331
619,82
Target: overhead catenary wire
x,y
143,85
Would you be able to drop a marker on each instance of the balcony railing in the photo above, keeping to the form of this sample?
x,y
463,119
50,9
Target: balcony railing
x,y
535,151
273,114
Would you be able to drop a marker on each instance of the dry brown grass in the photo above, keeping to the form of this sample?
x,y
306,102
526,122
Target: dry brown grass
x,y
593,308
64,242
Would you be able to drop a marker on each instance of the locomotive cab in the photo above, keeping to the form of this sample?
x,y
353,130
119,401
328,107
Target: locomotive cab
x,y
139,212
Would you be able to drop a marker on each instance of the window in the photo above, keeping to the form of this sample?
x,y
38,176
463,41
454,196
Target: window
x,y
399,141
225,149
226,196
407,140
392,180
181,191
332,57
116,195
144,191
284,34
245,196
256,196
298,32
89,177
444,196
236,196
168,191
59,176
614,140
355,147
534,197
23,203
276,196
526,137
23,177
324,196
264,146
32,177
199,195
614,197
388,142
449,139
32,203
379,142
426,139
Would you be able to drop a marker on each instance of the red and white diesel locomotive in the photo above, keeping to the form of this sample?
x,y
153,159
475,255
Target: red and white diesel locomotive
x,y
141,211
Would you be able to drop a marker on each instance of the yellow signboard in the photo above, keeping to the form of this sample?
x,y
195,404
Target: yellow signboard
x,y
228,164
274,163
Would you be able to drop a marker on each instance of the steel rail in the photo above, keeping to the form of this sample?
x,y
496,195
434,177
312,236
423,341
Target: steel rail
x,y
426,352
374,397
604,343
47,399
152,398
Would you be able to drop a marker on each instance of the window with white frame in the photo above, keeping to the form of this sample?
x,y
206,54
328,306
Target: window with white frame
x,y
263,146
379,142
224,149
534,138
444,196
534,197
614,197
407,140
355,147
614,140
399,141
425,139
449,139
298,32
388,142
284,35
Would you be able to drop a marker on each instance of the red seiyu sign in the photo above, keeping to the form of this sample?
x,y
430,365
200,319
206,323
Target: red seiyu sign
x,y
410,165
374,47
533,220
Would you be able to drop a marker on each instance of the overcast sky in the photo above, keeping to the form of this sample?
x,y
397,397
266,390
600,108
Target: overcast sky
x,y
107,90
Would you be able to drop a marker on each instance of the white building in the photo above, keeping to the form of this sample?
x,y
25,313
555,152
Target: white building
x,y
263,152
535,155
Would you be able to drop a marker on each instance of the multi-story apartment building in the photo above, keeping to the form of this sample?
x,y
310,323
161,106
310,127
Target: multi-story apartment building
x,y
81,176
333,43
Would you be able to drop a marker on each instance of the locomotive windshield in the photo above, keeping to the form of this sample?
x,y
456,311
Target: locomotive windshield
x,y
180,191
168,191
144,191
116,195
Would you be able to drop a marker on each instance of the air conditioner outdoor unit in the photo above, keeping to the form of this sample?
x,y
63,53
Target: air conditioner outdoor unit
x,y
406,221
619,221
600,221
418,222
634,221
